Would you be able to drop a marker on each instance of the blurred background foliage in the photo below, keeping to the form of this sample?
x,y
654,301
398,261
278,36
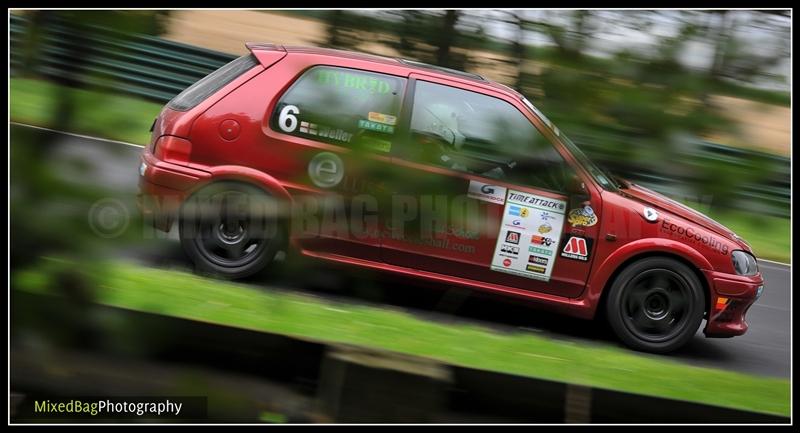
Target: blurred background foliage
x,y
634,109
54,190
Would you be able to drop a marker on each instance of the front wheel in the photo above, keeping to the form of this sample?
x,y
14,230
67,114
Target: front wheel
x,y
655,305
230,229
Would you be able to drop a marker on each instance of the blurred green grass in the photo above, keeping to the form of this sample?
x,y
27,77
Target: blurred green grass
x,y
189,296
106,115
101,114
769,236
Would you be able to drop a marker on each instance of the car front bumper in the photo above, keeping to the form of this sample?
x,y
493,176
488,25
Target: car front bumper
x,y
731,297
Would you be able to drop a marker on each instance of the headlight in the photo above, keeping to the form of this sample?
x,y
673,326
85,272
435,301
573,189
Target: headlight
x,y
142,169
744,263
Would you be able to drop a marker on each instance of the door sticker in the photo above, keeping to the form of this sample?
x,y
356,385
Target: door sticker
x,y
382,118
582,217
375,126
326,170
486,192
542,221
577,248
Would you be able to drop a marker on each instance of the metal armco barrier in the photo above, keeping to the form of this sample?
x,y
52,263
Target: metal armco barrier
x,y
304,380
140,65
158,69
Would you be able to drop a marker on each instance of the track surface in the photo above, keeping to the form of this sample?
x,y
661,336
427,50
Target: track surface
x,y
764,350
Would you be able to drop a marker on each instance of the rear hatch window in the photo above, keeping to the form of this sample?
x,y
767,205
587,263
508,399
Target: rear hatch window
x,y
199,91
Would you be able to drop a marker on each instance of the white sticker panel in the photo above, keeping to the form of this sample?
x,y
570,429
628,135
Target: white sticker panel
x,y
486,192
527,244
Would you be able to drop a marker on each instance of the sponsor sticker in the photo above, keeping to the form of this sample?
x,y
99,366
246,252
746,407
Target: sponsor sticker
x,y
518,211
537,222
486,192
541,240
366,83
536,268
509,249
577,248
379,145
308,128
538,250
537,202
326,170
582,217
382,118
538,260
512,237
547,216
674,228
374,126
334,134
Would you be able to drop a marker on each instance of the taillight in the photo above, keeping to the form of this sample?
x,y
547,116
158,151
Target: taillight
x,y
174,149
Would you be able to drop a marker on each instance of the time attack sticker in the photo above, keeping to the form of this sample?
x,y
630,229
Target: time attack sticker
x,y
535,240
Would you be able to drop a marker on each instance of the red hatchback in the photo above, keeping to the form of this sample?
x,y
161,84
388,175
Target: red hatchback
x,y
437,174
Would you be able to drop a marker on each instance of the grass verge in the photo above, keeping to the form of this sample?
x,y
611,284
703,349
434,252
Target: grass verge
x,y
188,296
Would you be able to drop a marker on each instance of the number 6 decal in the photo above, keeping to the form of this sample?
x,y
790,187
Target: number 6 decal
x,y
287,119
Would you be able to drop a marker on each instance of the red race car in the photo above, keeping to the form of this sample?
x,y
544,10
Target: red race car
x,y
437,174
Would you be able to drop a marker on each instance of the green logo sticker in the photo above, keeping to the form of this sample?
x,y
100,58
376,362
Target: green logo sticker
x,y
375,126
380,145
540,251
366,83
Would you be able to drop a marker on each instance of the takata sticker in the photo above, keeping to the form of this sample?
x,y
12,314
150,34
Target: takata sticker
x,y
582,217
382,118
486,192
537,222
375,126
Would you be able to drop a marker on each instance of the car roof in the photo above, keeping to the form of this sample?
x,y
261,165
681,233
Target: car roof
x,y
395,61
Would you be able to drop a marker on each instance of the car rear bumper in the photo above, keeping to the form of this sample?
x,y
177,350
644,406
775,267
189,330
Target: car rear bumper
x,y
162,188
732,296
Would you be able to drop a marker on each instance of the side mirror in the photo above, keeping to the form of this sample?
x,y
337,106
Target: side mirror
x,y
575,186
578,195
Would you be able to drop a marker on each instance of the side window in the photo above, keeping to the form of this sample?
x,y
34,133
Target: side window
x,y
342,106
479,134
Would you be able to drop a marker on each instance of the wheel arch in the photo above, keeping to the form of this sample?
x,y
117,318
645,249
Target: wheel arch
x,y
624,257
251,177
237,173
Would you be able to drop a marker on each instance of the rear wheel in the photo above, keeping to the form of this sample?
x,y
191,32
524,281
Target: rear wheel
x,y
231,229
655,304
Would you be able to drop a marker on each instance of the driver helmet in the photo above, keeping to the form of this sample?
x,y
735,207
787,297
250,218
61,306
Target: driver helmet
x,y
442,120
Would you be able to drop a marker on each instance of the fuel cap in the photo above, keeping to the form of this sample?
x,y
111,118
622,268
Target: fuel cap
x,y
229,129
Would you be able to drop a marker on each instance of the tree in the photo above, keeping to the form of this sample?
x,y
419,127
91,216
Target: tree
x,y
736,55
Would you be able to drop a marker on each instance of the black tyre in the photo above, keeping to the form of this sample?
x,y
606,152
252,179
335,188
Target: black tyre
x,y
231,229
655,305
